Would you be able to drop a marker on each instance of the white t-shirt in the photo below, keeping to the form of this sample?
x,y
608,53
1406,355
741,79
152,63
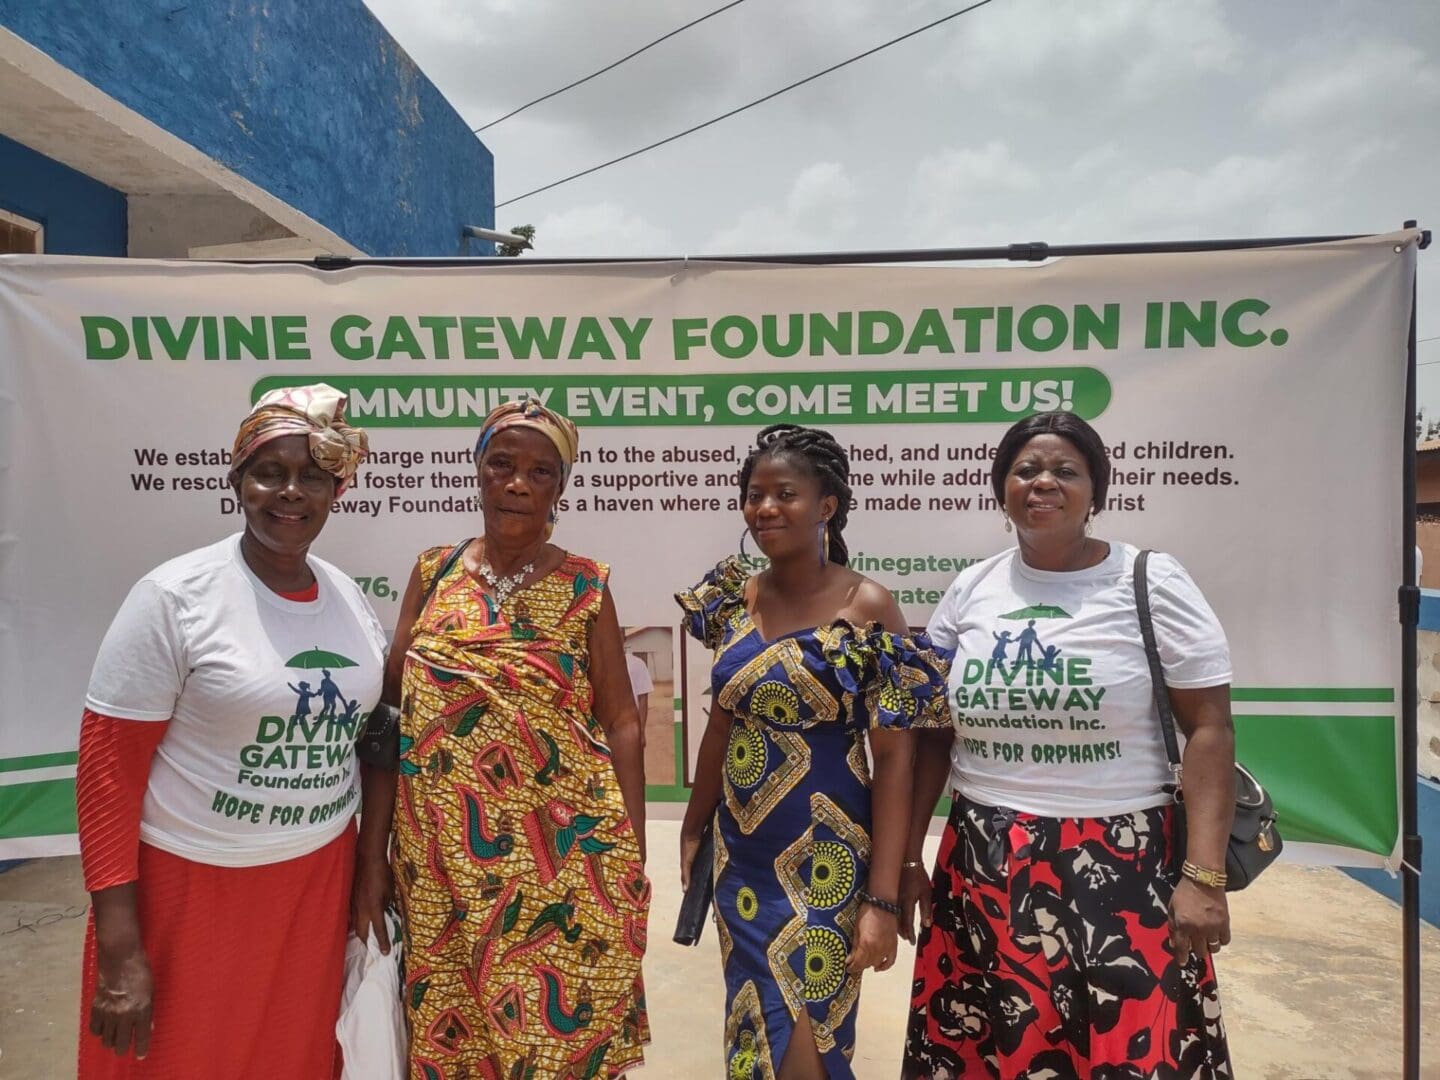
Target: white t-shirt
x,y
1050,690
265,697
640,681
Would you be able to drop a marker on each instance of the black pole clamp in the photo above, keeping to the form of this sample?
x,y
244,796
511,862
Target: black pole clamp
x,y
1411,849
1035,251
1409,597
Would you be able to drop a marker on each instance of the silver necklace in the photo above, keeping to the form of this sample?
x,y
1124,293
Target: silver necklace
x,y
502,587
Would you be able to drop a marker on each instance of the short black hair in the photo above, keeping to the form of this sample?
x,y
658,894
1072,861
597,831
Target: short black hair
x,y
823,458
1070,428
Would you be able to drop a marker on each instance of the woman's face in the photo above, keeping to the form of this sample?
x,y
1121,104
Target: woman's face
x,y
520,482
1048,491
286,497
784,508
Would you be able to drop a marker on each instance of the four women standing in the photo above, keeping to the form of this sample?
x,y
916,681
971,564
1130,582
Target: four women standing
x,y
510,827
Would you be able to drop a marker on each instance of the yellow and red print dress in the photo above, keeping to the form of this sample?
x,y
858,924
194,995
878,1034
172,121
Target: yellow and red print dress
x,y
518,872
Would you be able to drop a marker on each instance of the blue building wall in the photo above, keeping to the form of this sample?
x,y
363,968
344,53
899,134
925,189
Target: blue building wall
x,y
312,101
1427,807
81,216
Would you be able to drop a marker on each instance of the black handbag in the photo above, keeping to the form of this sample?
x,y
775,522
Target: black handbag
x,y
695,905
379,742
1254,840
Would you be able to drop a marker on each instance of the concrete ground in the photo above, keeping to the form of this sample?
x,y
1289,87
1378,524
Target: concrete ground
x,y
1310,987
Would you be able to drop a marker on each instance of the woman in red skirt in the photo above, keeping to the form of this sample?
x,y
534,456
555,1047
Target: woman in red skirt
x,y
1059,937
216,780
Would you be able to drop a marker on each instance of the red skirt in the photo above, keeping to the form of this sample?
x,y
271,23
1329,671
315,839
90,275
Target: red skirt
x,y
1049,956
247,963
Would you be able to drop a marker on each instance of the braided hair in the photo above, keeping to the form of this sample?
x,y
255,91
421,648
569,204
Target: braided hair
x,y
822,457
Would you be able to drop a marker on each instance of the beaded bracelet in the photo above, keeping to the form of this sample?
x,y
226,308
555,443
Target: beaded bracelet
x,y
883,905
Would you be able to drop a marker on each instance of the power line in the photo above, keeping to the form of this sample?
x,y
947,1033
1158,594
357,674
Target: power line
x,y
737,111
612,67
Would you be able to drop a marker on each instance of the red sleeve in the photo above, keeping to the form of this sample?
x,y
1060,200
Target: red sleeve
x,y
110,782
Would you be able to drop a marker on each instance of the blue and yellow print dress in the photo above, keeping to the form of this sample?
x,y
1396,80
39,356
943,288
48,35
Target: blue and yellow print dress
x,y
792,833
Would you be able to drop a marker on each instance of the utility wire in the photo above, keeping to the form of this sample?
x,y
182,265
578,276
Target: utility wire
x,y
612,67
758,101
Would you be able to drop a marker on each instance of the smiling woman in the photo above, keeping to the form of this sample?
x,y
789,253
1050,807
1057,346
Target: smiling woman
x,y
216,778
517,796
1061,863
814,666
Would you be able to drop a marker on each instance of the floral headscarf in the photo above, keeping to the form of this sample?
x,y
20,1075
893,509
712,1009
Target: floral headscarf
x,y
317,411
530,413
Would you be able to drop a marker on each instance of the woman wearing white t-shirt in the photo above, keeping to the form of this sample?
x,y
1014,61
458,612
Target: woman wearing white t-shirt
x,y
1059,937
216,779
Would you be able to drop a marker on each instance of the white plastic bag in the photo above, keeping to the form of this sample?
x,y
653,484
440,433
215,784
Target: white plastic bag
x,y
371,1028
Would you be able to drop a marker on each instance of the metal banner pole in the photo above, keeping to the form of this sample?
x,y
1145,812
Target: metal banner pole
x,y
1409,705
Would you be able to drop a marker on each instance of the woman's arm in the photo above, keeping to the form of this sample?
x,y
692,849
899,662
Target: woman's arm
x,y
111,776
373,888
892,799
615,711
1200,918
893,753
706,789
929,776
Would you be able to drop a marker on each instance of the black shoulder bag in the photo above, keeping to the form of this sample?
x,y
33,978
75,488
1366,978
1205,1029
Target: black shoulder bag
x,y
1254,840
379,743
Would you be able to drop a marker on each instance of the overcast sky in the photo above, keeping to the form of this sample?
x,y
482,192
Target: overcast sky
x,y
1057,120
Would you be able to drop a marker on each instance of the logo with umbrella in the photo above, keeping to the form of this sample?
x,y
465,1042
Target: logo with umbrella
x,y
1039,611
333,704
1029,650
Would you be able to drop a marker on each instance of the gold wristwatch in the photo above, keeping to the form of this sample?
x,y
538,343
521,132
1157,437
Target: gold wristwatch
x,y
1215,879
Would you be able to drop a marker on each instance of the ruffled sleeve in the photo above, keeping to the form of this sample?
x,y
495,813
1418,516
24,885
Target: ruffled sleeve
x,y
709,605
890,680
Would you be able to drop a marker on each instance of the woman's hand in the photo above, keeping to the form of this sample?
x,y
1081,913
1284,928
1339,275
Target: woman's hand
x,y
877,940
370,895
120,1010
641,842
689,845
1199,920
914,899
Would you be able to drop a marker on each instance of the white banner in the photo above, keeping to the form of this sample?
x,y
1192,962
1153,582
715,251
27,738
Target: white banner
x,y
1253,402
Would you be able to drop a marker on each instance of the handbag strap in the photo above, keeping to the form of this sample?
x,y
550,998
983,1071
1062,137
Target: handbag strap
x,y
1157,673
449,564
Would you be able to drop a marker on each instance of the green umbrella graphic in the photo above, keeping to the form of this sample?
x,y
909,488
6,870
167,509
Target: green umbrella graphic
x,y
1039,611
313,659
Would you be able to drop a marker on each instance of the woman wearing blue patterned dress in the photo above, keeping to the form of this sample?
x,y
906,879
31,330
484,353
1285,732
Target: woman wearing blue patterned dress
x,y
811,660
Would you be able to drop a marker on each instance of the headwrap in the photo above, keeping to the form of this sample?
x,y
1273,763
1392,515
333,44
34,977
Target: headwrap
x,y
317,411
531,414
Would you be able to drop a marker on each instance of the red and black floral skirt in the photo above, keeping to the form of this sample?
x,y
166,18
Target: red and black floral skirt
x,y
1049,956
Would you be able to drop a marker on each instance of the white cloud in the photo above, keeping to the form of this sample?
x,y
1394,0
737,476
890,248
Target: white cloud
x,y
597,229
952,189
1355,85
818,213
1136,47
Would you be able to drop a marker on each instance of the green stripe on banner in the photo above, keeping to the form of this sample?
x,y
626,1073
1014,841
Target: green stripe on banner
x,y
1332,777
44,808
1383,695
38,761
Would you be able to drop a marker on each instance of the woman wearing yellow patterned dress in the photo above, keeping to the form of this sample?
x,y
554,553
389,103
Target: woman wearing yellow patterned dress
x,y
518,816
812,661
